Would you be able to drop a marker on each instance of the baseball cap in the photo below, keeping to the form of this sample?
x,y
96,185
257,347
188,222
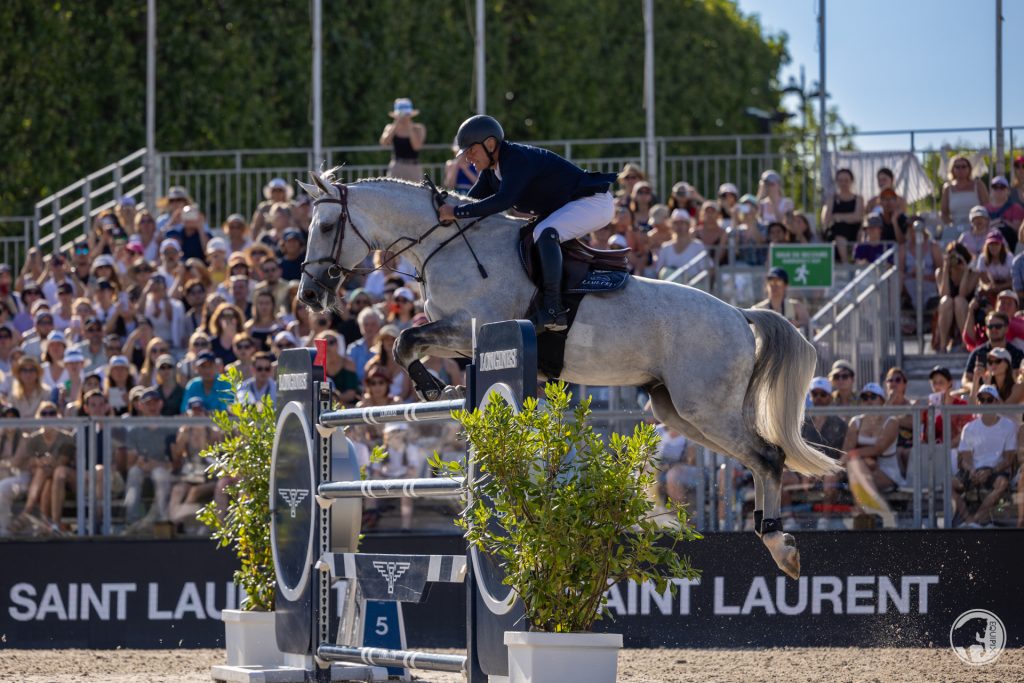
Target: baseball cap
x,y
941,370
74,356
165,359
778,274
999,181
205,357
236,218
119,362
404,293
771,176
748,199
728,188
680,215
65,288
821,384
994,237
217,244
195,402
1001,354
873,388
151,392
681,188
177,192
126,201
56,336
43,315
978,211
286,336
990,390
170,243
842,364
1008,294
103,260
294,234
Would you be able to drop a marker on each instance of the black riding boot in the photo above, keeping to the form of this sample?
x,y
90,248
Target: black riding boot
x,y
551,315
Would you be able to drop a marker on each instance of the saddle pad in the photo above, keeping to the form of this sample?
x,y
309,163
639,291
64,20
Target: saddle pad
x,y
596,281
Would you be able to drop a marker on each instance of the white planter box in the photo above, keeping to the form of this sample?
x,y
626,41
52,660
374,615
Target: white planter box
x,y
562,657
249,638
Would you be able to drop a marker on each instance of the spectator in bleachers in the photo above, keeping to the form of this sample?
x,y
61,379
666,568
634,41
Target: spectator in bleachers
x,y
894,221
64,310
207,385
236,230
318,322
360,351
960,195
402,309
240,295
263,324
280,221
629,176
711,234
92,346
7,345
872,438
842,377
383,356
149,457
347,314
154,350
244,347
147,236
173,204
166,381
871,248
993,266
32,342
293,252
164,312
262,382
33,270
194,298
56,274
192,234
171,266
406,139
996,325
773,205
277,191
43,451
996,372
681,250
23,319
15,475
955,288
919,240
749,236
800,230
987,453
778,233
1002,208
341,369
119,381
272,281
842,214
685,196
195,269
886,180
105,228
404,460
777,287
217,260
54,374
641,200
728,199
283,340
1007,302
826,431
225,323
134,347
896,395
27,390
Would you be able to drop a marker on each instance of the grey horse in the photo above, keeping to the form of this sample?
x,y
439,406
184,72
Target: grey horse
x,y
733,380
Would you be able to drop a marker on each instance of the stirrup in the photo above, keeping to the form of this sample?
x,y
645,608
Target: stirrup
x,y
550,320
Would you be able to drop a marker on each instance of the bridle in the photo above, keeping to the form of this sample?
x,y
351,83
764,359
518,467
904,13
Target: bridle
x,y
336,271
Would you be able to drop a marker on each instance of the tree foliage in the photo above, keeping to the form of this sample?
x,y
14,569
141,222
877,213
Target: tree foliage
x,y
234,74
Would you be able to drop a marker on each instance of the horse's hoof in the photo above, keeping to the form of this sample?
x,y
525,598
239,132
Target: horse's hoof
x,y
784,552
452,393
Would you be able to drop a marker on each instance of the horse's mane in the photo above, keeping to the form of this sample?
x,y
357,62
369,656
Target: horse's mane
x,y
331,176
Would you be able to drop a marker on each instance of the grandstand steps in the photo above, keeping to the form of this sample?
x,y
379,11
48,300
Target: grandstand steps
x,y
918,366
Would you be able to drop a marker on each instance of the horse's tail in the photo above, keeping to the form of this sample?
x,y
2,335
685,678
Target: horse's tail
x,y
783,367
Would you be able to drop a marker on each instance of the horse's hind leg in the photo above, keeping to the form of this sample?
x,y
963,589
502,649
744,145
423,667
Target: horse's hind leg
x,y
765,463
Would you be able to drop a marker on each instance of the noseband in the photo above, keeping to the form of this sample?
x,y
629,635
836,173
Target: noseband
x,y
334,268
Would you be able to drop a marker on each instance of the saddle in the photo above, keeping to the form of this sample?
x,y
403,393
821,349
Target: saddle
x,y
585,270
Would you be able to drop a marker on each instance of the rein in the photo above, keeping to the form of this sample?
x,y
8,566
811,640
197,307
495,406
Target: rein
x,y
336,270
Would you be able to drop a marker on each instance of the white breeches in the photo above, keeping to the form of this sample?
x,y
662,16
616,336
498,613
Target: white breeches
x,y
579,217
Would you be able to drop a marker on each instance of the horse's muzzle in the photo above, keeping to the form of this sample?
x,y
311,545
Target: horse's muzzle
x,y
314,294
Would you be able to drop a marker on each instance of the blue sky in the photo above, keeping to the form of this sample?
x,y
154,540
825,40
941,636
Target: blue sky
x,y
906,64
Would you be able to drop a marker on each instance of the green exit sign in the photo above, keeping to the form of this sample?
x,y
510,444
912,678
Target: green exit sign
x,y
809,265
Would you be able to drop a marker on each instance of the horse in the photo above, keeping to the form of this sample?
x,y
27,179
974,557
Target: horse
x,y
733,380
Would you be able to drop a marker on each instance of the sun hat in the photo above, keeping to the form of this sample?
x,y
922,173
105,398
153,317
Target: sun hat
x,y
990,390
821,384
728,188
403,107
978,211
278,184
873,388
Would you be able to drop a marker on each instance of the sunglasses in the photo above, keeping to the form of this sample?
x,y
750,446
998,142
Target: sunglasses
x,y
896,380
960,166
842,375
819,394
871,397
995,326
995,359
631,177
28,369
196,292
331,341
377,382
986,399
48,413
243,345
166,367
285,345
159,351
402,300
6,336
200,343
643,192
93,329
261,368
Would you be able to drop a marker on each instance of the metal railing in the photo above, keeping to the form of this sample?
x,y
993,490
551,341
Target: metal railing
x,y
15,240
66,215
862,322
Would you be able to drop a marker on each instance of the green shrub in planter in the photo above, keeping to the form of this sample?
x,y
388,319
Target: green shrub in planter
x,y
244,454
574,510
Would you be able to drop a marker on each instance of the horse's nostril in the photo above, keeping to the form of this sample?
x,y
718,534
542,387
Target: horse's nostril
x,y
308,295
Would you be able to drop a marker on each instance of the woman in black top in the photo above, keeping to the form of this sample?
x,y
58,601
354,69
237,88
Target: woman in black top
x,y
842,214
406,139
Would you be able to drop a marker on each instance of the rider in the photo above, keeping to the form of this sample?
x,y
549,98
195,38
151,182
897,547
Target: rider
x,y
539,182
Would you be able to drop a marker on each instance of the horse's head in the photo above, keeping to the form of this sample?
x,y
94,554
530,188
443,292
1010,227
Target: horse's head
x,y
334,247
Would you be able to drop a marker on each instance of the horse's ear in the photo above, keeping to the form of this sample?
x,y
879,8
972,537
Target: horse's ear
x,y
312,190
319,183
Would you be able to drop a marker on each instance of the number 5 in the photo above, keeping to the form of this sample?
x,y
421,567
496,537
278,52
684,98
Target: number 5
x,y
382,626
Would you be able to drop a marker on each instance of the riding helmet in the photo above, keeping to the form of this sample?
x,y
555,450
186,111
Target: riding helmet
x,y
476,129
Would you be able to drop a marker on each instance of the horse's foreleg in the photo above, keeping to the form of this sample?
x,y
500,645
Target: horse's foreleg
x,y
415,342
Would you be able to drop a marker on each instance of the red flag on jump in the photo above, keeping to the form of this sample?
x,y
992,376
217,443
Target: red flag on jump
x,y
320,361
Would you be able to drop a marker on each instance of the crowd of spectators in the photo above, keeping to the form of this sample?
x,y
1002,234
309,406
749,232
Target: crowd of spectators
x,y
140,317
